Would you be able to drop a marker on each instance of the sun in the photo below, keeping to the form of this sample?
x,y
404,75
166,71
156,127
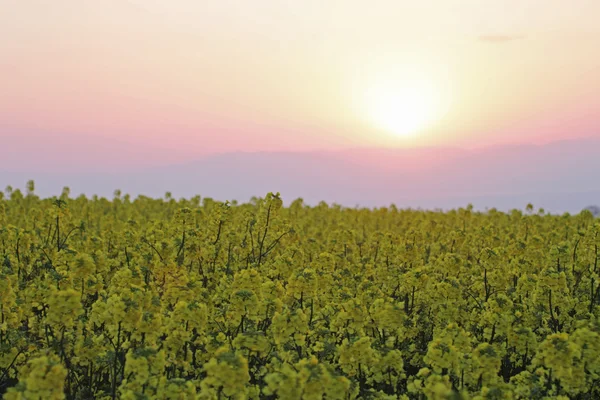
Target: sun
x,y
403,109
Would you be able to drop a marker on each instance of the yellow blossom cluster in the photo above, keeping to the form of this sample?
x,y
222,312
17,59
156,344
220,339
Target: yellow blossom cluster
x,y
145,298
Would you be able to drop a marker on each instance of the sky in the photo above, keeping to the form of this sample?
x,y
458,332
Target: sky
x,y
125,84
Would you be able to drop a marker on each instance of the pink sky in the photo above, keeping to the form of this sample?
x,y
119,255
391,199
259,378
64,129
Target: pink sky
x,y
176,79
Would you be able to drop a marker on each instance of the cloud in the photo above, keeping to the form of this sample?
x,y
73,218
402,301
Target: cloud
x,y
500,38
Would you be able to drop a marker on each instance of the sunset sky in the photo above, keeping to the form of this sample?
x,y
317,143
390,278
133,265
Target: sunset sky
x,y
159,81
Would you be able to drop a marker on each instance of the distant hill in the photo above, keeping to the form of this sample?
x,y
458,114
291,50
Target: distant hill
x,y
559,176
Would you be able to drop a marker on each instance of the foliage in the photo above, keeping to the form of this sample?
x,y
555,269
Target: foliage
x,y
195,298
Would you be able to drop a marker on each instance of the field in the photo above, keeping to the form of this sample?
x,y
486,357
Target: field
x,y
197,299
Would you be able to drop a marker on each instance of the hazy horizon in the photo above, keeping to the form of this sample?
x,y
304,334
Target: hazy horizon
x,y
558,176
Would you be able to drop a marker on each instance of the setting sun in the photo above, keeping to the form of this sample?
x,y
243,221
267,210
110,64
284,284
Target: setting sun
x,y
402,109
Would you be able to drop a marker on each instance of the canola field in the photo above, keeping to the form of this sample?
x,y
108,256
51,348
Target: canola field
x,y
147,298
